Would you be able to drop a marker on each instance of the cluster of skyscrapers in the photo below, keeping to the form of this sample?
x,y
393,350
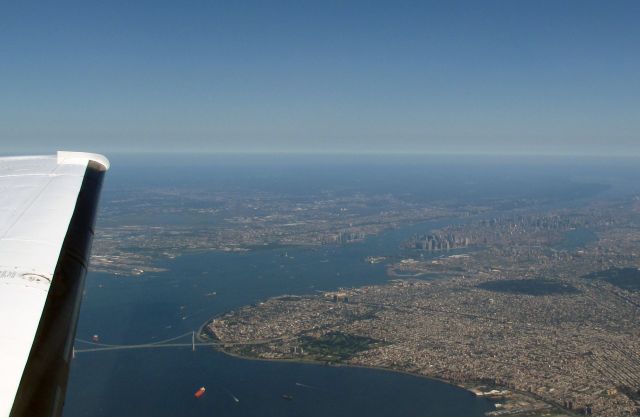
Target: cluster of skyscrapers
x,y
439,242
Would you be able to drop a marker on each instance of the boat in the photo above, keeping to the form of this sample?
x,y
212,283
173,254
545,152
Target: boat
x,y
287,397
200,392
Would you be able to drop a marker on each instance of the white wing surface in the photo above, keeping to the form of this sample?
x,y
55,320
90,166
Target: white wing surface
x,y
47,211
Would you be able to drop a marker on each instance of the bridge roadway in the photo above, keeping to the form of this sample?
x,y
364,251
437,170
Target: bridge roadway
x,y
195,341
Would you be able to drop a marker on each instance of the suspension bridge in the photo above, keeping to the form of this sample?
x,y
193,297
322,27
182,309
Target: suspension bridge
x,y
184,340
188,339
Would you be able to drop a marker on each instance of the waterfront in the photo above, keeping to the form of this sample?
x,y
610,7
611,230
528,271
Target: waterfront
x,y
125,310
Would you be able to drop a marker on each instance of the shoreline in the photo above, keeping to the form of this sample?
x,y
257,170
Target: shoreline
x,y
552,405
342,365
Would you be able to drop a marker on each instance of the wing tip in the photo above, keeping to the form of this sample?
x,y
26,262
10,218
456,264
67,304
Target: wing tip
x,y
66,157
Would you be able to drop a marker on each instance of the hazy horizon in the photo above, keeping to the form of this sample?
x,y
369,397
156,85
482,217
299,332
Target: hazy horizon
x,y
17,151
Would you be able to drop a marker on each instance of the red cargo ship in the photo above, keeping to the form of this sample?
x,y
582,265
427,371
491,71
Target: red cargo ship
x,y
200,392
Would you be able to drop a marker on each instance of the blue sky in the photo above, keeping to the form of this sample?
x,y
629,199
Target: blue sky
x,y
524,77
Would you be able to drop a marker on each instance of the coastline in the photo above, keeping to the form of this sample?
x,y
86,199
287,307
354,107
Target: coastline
x,y
553,407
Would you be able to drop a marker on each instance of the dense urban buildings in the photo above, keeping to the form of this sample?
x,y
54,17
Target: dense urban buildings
x,y
545,307
532,302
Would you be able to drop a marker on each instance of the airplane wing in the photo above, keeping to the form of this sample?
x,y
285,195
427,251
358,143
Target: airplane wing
x,y
47,211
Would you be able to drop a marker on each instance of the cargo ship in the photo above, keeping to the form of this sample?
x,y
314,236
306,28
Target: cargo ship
x,y
200,392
